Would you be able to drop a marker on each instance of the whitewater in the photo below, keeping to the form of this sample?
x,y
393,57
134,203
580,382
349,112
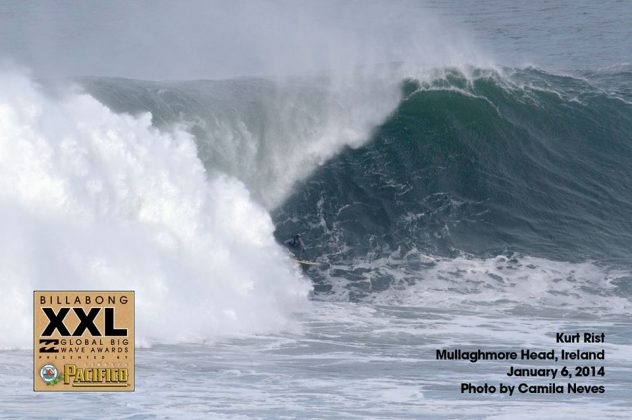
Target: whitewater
x,y
454,198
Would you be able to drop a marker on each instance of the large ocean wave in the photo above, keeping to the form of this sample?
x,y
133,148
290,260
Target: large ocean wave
x,y
399,175
478,168
484,188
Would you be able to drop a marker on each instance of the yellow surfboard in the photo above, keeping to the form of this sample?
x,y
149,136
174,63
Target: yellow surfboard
x,y
305,262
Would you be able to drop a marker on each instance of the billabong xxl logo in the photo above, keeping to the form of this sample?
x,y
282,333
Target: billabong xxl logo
x,y
83,341
86,322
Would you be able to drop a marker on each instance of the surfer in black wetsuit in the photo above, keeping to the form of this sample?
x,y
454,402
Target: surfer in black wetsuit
x,y
296,245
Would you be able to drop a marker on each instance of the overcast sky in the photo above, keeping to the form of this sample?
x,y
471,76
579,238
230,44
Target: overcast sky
x,y
215,39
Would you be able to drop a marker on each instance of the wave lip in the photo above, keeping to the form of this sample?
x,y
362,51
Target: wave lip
x,y
267,133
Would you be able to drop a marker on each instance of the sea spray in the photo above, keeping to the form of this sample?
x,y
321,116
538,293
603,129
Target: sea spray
x,y
94,200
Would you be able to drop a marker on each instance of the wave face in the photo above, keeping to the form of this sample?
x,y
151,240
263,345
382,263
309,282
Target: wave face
x,y
90,199
475,176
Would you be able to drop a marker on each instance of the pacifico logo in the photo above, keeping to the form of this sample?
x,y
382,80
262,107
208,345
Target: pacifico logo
x,y
83,341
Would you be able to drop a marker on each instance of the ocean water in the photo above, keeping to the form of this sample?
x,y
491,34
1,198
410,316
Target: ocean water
x,y
459,170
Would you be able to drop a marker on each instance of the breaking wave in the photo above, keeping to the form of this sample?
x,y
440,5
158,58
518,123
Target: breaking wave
x,y
90,199
484,188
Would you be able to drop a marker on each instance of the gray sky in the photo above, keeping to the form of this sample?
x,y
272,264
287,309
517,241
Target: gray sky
x,y
188,39
212,39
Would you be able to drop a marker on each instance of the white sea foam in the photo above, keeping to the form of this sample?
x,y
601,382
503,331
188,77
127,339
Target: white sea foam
x,y
94,200
518,284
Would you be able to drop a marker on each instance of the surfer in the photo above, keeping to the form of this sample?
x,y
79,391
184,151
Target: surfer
x,y
296,245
